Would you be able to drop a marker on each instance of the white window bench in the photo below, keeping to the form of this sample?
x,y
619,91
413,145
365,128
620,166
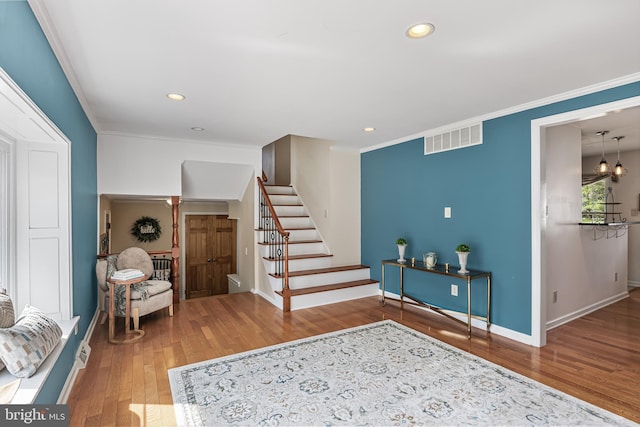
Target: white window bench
x,y
30,387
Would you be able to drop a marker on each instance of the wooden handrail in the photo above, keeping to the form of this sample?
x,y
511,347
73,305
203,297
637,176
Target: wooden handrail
x,y
282,262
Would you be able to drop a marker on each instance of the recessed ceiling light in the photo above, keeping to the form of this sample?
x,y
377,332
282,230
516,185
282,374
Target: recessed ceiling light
x,y
420,30
369,129
175,96
197,129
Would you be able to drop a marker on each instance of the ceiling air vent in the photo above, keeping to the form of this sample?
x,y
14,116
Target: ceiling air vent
x,y
454,139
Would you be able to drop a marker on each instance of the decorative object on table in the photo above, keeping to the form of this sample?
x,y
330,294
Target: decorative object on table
x,y
402,246
430,259
127,274
463,252
146,229
383,373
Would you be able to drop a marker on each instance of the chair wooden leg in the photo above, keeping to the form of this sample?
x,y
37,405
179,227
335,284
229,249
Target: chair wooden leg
x,y
171,310
136,319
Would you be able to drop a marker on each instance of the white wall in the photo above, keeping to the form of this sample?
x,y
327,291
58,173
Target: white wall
x,y
144,166
328,182
579,269
246,242
627,191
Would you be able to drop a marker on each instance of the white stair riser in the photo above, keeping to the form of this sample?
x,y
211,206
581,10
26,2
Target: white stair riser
x,y
310,280
281,199
307,248
331,297
279,189
301,264
302,222
299,249
290,211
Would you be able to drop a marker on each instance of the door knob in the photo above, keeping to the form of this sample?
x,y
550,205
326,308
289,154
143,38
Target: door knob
x,y
211,260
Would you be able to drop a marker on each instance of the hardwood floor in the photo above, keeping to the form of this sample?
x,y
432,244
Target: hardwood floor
x,y
595,358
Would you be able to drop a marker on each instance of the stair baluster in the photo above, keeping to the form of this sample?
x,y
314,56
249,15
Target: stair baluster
x,y
277,240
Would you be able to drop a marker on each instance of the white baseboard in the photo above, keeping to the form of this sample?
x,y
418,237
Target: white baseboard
x,y
633,284
71,378
585,310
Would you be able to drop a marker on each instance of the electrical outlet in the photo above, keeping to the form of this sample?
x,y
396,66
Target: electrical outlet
x,y
454,290
555,297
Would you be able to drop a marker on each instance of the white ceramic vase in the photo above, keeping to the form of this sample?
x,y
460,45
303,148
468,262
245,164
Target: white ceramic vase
x,y
401,249
462,259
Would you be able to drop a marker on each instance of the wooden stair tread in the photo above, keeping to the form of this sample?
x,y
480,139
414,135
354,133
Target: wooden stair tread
x,y
299,273
305,256
331,287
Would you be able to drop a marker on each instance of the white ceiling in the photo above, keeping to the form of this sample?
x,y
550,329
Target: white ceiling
x,y
253,71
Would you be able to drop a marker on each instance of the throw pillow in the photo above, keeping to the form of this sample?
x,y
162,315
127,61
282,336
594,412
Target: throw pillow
x,y
26,345
7,315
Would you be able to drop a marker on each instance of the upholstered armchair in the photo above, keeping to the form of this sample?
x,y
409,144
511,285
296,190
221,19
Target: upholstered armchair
x,y
152,295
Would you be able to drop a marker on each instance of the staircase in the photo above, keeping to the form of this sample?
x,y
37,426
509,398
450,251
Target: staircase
x,y
313,279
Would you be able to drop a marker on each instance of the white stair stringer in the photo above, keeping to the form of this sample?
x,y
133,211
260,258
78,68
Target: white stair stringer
x,y
313,279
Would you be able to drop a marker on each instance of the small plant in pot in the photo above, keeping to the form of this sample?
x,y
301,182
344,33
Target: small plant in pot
x,y
463,252
402,245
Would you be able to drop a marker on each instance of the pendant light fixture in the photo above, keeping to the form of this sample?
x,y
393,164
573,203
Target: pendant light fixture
x,y
603,167
619,170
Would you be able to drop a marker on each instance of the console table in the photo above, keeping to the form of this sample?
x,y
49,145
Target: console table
x,y
452,271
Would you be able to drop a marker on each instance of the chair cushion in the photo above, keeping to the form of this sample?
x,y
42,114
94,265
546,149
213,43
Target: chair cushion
x,y
25,345
135,258
153,287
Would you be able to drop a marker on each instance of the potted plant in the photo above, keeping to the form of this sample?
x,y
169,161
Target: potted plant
x,y
463,252
402,245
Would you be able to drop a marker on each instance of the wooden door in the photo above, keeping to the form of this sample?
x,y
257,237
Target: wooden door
x,y
210,254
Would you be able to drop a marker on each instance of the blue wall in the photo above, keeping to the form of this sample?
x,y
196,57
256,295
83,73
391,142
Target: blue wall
x,y
27,57
488,188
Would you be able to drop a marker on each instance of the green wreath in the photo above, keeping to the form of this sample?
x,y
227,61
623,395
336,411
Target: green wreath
x,y
146,229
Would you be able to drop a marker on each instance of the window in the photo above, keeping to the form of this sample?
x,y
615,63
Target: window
x,y
35,251
593,199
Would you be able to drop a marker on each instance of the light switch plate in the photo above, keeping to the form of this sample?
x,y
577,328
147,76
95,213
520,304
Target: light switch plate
x,y
447,212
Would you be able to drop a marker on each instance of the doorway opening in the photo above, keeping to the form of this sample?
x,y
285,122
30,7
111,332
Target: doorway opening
x,y
538,206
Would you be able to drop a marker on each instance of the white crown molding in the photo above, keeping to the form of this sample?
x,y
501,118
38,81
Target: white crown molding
x,y
41,13
609,84
184,140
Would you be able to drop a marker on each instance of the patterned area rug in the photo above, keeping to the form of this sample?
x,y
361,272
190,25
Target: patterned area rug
x,y
378,374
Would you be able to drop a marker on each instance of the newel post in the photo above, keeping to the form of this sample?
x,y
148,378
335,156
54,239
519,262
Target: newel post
x,y
175,250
